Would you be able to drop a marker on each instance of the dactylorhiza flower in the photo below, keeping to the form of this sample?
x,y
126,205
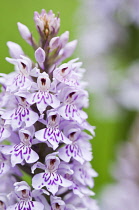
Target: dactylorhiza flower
x,y
107,28
42,119
123,194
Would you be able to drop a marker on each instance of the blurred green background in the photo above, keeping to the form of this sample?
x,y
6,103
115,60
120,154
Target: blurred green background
x,y
108,133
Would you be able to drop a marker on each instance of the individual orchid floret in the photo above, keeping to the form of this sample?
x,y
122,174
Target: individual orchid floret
x,y
52,133
21,115
21,79
69,109
79,149
47,24
58,204
50,179
84,173
14,50
23,194
21,152
43,97
65,74
25,33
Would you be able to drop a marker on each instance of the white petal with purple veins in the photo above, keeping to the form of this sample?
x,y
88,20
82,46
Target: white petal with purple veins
x,y
4,133
69,151
31,157
70,112
53,135
42,100
31,205
50,180
37,181
31,118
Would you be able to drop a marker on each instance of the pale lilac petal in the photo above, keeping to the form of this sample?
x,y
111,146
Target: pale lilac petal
x,y
11,60
14,49
69,151
41,135
53,189
37,206
7,115
70,112
67,51
69,48
64,38
54,43
7,149
16,158
4,133
25,33
31,118
64,155
31,157
54,136
37,181
40,55
64,182
4,168
37,165
71,207
32,98
41,105
13,207
54,102
16,122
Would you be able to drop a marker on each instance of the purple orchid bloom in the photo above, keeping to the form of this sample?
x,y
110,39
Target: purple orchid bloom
x,y
42,97
22,151
42,119
23,194
51,179
52,132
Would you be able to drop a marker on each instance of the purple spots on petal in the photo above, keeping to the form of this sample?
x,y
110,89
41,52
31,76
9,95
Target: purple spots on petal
x,y
27,111
1,131
67,152
44,135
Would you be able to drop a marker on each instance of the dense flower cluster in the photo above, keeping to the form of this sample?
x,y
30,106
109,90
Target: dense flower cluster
x,y
43,120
